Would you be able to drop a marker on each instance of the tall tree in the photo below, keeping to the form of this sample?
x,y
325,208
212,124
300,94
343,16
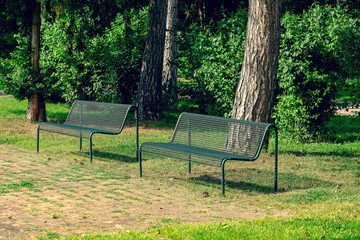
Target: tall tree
x,y
255,91
149,90
36,111
169,84
26,14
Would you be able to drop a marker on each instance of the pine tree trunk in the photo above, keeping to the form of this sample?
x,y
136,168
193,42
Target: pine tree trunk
x,y
36,111
149,91
255,91
169,84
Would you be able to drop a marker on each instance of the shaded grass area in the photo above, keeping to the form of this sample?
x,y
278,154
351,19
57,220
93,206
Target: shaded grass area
x,y
319,182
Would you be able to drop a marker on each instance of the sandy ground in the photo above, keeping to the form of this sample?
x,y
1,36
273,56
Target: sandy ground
x,y
40,196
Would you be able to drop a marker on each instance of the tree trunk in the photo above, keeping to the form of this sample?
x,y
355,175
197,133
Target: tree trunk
x,y
255,92
201,4
149,90
36,111
169,84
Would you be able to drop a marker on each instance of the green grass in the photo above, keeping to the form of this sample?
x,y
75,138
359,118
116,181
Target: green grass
x,y
319,182
304,227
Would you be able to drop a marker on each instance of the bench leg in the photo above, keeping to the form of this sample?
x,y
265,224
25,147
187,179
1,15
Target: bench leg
x,y
189,163
80,140
223,178
37,139
276,160
90,147
275,174
137,133
140,164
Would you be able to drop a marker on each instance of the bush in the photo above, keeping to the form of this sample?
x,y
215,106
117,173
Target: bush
x,y
105,67
213,57
319,50
76,63
17,74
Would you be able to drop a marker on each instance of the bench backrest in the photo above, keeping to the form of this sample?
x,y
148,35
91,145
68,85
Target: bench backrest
x,y
105,116
237,137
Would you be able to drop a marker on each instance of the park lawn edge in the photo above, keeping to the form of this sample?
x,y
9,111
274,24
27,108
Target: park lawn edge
x,y
341,226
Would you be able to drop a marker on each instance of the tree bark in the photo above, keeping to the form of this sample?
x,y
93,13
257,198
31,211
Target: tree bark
x,y
201,4
169,84
36,111
255,91
149,90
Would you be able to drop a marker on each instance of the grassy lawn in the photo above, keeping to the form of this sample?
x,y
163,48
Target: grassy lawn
x,y
319,182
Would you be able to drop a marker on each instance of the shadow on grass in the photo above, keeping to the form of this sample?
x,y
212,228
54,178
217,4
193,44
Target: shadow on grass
x,y
51,117
19,113
322,154
245,186
107,156
263,182
342,129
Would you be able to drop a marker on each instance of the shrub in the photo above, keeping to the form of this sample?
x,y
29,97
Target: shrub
x,y
319,50
17,72
103,67
213,57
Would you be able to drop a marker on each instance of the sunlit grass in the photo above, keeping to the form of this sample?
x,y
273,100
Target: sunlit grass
x,y
341,226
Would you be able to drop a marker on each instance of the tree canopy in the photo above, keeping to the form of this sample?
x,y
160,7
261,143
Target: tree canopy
x,y
93,50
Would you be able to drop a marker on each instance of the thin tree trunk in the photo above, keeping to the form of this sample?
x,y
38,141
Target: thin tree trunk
x,y
169,84
149,91
255,92
201,4
36,111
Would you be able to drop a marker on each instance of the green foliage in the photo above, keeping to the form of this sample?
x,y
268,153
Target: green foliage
x,y
97,15
7,40
105,67
120,57
319,50
19,11
213,57
318,61
17,71
84,53
297,7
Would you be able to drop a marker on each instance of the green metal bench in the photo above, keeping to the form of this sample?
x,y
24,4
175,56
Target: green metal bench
x,y
212,141
88,118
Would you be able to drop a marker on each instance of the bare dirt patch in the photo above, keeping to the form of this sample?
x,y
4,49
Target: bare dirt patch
x,y
40,196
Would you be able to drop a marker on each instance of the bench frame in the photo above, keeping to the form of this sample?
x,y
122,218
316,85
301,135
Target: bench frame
x,y
225,159
93,131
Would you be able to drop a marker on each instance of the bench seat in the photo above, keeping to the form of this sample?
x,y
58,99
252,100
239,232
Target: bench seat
x,y
198,154
72,130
